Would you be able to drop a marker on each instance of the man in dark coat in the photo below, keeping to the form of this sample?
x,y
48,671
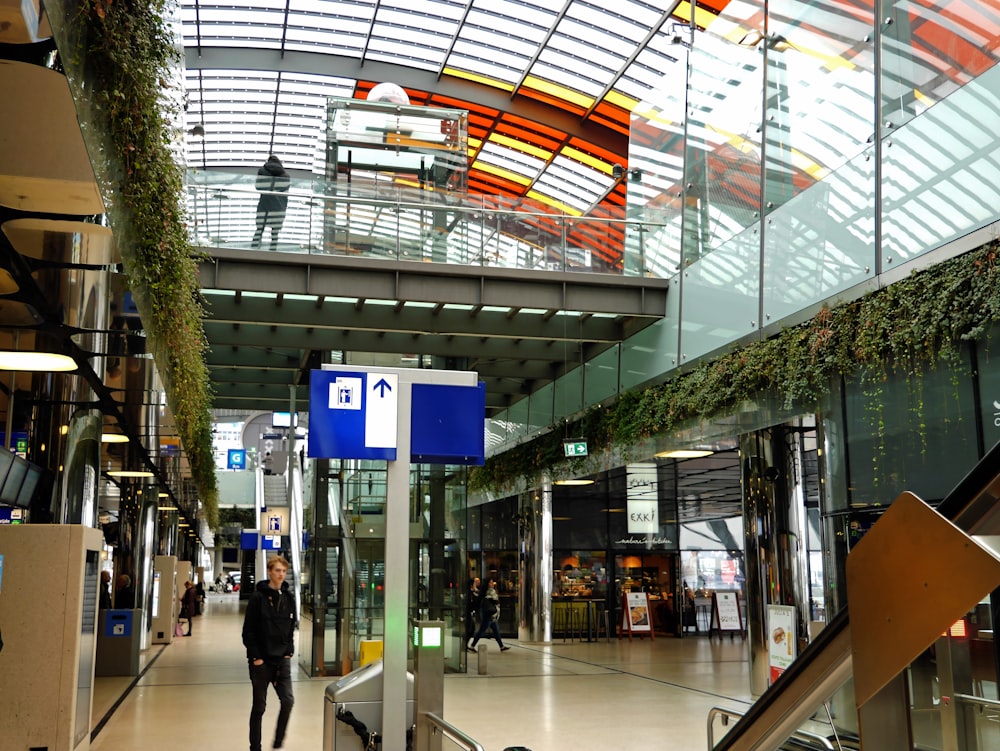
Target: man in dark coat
x,y
273,182
268,630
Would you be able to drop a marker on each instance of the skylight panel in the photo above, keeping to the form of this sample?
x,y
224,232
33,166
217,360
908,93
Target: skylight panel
x,y
486,50
579,74
402,53
617,16
509,73
573,197
525,20
343,41
583,39
402,17
566,191
566,77
568,175
511,159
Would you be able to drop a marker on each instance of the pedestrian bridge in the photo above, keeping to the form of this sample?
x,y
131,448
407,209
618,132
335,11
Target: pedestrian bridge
x,y
519,297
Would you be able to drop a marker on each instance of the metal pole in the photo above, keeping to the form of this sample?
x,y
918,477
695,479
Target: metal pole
x,y
397,545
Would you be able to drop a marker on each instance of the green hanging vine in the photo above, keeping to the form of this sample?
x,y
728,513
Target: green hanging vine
x,y
119,58
902,329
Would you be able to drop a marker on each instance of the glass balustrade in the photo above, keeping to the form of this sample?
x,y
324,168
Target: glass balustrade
x,y
375,219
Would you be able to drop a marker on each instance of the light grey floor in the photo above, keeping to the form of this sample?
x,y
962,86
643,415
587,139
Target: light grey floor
x,y
620,695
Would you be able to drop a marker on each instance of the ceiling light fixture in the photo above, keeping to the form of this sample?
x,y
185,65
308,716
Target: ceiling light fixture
x,y
36,362
130,473
578,481
113,438
684,454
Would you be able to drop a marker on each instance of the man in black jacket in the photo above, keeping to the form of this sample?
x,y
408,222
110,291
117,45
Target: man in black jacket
x,y
273,182
268,630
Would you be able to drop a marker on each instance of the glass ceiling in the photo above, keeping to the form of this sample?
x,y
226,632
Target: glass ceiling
x,y
537,77
551,87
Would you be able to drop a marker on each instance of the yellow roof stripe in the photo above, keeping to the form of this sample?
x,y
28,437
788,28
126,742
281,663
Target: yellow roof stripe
x,y
559,205
627,103
559,92
517,145
588,159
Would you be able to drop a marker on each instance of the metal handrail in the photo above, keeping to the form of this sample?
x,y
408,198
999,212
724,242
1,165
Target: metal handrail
x,y
976,701
452,733
728,714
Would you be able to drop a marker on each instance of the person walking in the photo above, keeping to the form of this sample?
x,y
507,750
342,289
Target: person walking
x,y
273,183
473,601
489,614
268,631
189,604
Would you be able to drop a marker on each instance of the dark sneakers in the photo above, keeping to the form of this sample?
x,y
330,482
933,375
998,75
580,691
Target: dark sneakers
x,y
504,649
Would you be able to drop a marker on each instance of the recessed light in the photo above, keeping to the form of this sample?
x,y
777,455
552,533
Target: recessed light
x,y
579,481
39,362
130,473
684,454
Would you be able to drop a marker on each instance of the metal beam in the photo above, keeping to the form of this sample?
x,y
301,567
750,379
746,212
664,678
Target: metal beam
x,y
376,279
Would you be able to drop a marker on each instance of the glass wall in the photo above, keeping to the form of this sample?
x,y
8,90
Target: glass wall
x,y
793,155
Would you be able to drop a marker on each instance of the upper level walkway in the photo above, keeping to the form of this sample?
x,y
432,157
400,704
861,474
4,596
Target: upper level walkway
x,y
364,274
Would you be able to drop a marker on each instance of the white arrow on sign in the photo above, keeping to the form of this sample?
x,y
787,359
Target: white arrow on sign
x,y
380,410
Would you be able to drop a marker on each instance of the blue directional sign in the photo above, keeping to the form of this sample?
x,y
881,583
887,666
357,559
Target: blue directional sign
x,y
236,459
352,415
446,424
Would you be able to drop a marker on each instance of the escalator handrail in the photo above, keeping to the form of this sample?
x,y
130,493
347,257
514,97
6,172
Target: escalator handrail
x,y
965,506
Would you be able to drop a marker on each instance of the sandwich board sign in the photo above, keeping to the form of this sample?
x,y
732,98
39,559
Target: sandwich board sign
x,y
636,616
726,614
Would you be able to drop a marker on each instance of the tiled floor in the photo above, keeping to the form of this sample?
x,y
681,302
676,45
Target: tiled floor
x,y
608,696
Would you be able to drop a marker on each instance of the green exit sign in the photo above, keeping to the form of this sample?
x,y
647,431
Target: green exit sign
x,y
575,448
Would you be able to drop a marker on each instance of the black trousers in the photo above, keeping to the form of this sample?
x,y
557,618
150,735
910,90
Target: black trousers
x,y
261,677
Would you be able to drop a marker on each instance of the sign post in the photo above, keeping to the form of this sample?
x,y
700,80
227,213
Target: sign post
x,y
374,415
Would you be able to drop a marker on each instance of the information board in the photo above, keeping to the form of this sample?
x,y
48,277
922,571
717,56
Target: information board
x,y
726,614
636,616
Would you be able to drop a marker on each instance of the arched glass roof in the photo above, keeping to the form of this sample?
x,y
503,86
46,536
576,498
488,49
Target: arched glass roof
x,y
550,84
555,89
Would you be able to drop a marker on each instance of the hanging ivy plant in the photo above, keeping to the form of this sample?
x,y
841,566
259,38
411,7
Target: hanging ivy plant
x,y
120,59
901,329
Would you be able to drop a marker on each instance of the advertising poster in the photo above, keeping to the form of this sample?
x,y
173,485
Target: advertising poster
x,y
781,640
636,618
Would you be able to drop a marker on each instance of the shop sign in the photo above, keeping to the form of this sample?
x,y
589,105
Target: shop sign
x,y
642,501
643,517
645,541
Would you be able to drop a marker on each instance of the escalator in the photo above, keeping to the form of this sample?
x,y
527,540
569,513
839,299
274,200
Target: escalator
x,y
939,703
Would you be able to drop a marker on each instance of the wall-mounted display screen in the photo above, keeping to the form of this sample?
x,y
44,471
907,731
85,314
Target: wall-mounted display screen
x,y
283,419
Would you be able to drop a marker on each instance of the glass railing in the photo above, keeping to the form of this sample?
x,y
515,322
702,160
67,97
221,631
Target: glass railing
x,y
369,219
